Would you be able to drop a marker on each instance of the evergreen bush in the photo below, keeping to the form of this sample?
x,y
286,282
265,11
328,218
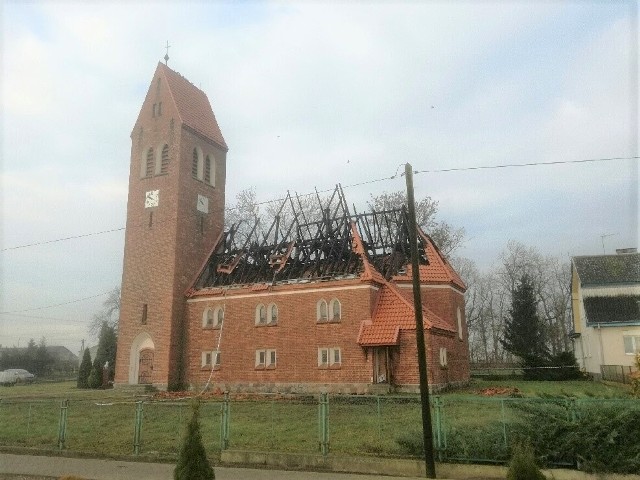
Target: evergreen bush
x,y
95,378
192,459
523,465
84,370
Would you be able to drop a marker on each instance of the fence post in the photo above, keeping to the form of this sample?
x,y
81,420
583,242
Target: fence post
x,y
137,428
62,424
504,424
379,418
224,423
323,423
438,404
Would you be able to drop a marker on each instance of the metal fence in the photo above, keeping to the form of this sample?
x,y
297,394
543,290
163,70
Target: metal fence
x,y
616,373
465,428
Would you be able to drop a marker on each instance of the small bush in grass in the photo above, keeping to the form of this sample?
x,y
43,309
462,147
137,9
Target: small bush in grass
x,y
523,465
192,459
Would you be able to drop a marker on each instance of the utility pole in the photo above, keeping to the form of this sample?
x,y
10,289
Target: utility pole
x,y
417,303
603,236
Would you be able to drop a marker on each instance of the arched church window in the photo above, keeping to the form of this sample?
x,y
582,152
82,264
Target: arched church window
x,y
336,310
150,164
194,164
164,162
207,170
321,311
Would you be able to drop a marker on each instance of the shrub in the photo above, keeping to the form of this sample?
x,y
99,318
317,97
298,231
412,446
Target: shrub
x,y
192,459
597,436
523,465
635,378
85,370
95,378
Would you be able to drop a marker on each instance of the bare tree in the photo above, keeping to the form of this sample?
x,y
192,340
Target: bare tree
x,y
447,237
109,315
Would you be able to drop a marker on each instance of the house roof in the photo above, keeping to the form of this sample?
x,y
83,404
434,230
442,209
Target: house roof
x,y
608,269
58,353
620,309
395,312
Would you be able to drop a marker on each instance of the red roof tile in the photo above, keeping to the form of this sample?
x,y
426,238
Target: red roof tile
x,y
394,312
193,106
438,271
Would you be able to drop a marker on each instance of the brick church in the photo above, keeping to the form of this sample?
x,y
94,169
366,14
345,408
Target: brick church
x,y
316,298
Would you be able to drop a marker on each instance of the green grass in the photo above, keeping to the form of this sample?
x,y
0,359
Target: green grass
x,y
102,422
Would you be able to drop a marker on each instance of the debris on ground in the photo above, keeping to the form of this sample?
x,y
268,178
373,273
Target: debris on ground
x,y
501,392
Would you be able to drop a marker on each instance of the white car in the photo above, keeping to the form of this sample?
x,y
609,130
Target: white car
x,y
11,376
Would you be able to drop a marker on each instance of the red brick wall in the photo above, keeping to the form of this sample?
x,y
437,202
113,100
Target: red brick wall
x,y
160,260
296,338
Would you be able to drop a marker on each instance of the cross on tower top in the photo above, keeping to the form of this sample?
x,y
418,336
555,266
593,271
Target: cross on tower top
x,y
166,55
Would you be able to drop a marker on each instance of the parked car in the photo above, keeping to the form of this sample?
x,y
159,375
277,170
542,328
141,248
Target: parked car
x,y
20,375
7,379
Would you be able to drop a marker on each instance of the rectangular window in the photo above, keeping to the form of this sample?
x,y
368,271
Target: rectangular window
x,y
443,357
323,357
206,359
216,358
329,356
336,356
271,358
143,320
631,344
261,358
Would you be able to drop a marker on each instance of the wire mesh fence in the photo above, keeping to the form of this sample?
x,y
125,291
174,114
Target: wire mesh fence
x,y
465,428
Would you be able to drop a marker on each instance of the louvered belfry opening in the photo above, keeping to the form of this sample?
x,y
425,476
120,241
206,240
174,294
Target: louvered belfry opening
x,y
309,240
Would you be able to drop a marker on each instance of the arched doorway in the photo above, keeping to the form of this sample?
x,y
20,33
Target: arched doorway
x,y
141,360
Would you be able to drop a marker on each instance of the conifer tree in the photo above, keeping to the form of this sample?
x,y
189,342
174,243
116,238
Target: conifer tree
x,y
85,370
524,331
192,460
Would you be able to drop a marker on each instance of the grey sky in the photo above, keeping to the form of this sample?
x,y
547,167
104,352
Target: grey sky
x,y
307,95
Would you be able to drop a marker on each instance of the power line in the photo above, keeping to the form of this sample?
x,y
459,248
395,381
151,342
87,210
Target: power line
x,y
358,184
63,239
56,304
531,164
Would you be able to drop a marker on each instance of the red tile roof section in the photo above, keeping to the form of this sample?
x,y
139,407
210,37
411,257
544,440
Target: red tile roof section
x,y
438,270
193,106
394,312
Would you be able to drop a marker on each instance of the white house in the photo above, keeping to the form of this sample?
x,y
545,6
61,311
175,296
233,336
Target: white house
x,y
605,300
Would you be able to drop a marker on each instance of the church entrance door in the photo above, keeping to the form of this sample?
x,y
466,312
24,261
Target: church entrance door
x,y
145,368
381,365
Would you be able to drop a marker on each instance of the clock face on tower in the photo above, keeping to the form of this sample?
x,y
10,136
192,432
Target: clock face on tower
x,y
203,204
151,198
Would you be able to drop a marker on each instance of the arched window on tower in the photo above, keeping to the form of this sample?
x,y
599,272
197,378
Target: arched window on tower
x,y
207,170
197,164
194,164
164,161
150,163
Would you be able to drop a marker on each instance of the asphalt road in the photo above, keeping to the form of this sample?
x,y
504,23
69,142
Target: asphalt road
x,y
94,469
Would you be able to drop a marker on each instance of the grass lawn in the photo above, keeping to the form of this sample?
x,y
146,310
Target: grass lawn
x,y
102,422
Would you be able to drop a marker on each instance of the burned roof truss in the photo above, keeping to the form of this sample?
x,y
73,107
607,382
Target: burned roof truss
x,y
309,239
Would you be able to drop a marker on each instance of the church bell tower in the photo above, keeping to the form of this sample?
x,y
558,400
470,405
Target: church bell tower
x,y
175,213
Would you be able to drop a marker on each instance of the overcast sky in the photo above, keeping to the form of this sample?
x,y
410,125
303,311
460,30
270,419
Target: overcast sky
x,y
310,94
